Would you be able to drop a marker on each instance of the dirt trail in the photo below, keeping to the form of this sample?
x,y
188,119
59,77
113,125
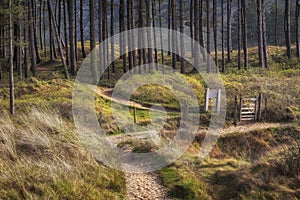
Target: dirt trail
x,y
145,186
148,186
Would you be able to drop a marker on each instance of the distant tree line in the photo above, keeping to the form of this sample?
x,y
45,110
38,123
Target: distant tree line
x,y
36,30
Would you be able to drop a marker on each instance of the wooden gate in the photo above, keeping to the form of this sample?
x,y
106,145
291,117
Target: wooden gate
x,y
249,109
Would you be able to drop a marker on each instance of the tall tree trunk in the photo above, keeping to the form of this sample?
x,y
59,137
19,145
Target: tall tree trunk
x,y
215,24
192,26
58,39
196,33
174,36
244,33
70,4
260,33
93,40
169,25
264,28
50,34
38,58
31,38
82,29
75,31
140,37
298,27
223,38
208,35
182,46
229,39
129,23
44,30
112,22
154,32
149,32
122,28
161,36
26,52
11,61
239,34
40,24
66,33
276,23
287,29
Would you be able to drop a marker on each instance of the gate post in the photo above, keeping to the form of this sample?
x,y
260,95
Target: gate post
x,y
206,99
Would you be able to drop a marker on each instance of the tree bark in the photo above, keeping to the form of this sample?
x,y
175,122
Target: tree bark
x,y
297,27
82,30
58,39
223,38
208,35
287,29
66,33
31,38
149,32
112,21
239,34
11,60
70,4
215,24
122,28
229,39
182,45
244,33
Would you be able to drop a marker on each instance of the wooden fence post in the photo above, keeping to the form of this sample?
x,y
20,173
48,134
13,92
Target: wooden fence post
x,y
206,99
235,110
219,101
134,115
259,107
241,102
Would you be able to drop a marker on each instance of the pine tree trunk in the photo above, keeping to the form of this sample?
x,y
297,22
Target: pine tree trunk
x,y
58,39
182,45
70,4
260,33
174,36
297,20
140,25
75,31
112,22
11,60
215,24
82,29
287,29
122,28
223,38
40,25
129,22
26,52
239,34
31,38
161,36
276,23
149,32
264,28
229,39
192,26
93,40
244,33
208,35
196,33
66,33
154,32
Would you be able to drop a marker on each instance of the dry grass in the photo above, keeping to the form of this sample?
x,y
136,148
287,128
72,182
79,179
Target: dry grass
x,y
41,158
